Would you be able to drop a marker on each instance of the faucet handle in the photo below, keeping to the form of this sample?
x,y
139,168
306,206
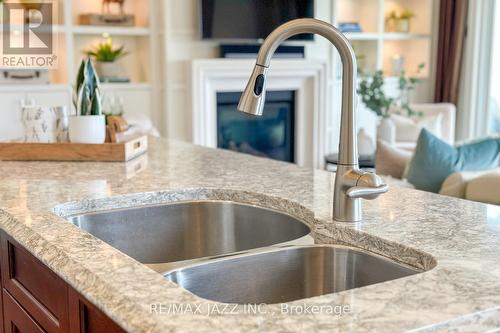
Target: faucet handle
x,y
368,186
366,192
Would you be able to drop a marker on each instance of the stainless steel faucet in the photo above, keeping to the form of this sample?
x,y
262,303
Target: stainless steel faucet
x,y
351,184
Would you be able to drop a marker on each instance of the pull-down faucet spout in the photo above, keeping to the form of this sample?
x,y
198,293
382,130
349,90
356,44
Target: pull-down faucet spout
x,y
351,184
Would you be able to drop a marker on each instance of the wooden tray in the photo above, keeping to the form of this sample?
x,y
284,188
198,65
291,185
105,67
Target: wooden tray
x,y
107,152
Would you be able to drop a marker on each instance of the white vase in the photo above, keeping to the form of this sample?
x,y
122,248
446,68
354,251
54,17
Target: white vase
x,y
386,131
403,25
87,129
108,69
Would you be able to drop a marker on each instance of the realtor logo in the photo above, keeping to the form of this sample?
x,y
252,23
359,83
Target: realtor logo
x,y
27,34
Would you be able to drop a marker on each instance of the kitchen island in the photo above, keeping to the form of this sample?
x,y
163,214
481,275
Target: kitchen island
x,y
456,243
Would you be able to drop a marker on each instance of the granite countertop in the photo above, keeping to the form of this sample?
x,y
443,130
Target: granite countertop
x,y
456,241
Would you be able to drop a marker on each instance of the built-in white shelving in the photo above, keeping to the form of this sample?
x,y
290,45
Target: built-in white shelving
x,y
75,38
376,46
141,65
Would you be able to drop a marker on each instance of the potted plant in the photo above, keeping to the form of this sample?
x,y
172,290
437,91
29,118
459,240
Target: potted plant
x,y
371,91
399,22
403,24
105,56
89,124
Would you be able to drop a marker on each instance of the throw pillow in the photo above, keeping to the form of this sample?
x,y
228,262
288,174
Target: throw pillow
x,y
434,160
408,129
390,160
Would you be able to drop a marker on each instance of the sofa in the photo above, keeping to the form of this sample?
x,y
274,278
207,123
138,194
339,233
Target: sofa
x,y
482,186
439,118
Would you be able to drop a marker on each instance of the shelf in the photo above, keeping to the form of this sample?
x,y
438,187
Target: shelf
x,y
130,85
386,36
372,36
112,30
404,36
16,87
362,35
61,86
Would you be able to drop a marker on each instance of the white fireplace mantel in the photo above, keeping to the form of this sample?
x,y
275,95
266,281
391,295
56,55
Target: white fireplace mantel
x,y
305,77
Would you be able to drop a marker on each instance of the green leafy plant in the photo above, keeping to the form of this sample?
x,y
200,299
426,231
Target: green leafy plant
x,y
406,14
373,95
371,90
106,52
87,97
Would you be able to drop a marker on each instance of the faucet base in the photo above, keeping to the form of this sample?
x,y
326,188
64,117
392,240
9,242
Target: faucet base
x,y
346,209
352,184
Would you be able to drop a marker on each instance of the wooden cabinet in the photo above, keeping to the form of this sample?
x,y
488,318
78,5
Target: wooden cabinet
x,y
85,317
36,288
17,320
35,299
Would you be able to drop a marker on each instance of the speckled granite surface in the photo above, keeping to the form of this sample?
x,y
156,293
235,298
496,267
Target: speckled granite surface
x,y
413,227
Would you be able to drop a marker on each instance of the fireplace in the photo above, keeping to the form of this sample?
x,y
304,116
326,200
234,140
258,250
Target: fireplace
x,y
270,135
302,84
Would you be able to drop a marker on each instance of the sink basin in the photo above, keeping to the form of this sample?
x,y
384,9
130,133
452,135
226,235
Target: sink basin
x,y
286,274
188,230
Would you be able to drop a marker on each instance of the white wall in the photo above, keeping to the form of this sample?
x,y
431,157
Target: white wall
x,y
182,44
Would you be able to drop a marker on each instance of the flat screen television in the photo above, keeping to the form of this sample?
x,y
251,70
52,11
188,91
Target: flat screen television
x,y
250,19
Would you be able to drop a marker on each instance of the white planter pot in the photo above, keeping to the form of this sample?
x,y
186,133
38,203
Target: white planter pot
x,y
386,131
403,25
87,129
108,69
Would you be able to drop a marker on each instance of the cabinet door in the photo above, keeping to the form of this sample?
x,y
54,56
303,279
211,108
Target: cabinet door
x,y
40,291
84,317
17,320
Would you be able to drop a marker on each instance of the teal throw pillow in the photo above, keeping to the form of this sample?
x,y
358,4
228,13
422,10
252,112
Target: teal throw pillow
x,y
434,160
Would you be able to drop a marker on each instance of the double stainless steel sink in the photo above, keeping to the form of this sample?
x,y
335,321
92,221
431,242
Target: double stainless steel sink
x,y
237,253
